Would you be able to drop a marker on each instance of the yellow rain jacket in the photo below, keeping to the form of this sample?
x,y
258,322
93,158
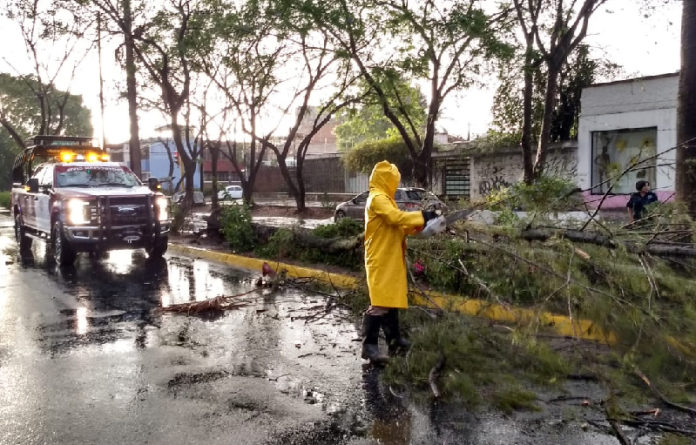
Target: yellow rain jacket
x,y
386,228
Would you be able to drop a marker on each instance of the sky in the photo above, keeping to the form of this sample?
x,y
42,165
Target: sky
x,y
644,42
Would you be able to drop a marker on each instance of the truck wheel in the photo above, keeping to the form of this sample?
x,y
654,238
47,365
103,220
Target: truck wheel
x,y
23,240
63,254
158,247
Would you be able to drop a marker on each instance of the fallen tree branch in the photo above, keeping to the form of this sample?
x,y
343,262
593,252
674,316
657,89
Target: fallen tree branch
x,y
434,374
219,303
623,440
479,282
654,248
422,292
661,396
550,271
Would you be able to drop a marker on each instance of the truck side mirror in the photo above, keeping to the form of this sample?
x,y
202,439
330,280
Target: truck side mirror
x,y
153,184
33,185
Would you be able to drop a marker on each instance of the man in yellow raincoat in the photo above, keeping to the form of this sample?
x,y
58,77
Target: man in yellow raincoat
x,y
386,228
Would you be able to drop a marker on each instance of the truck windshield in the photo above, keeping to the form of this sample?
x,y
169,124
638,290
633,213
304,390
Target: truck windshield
x,y
94,176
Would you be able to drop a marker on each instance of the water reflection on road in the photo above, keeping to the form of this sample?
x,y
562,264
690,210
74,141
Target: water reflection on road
x,y
86,346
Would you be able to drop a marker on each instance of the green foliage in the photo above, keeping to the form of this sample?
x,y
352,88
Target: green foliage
x,y
364,157
514,398
235,225
548,194
579,72
283,245
344,227
325,202
21,109
5,199
479,364
367,121
673,439
280,245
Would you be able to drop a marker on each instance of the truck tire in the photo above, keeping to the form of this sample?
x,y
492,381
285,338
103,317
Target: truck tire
x,y
23,240
63,254
158,247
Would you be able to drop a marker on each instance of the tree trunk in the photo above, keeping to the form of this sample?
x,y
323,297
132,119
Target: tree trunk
x,y
214,148
686,111
526,139
549,105
189,164
422,164
578,236
301,198
201,173
131,92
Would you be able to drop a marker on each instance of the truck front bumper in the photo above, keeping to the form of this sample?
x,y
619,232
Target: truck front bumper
x,y
88,238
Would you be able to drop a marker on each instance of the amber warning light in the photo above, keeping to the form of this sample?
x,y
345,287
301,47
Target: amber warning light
x,y
66,156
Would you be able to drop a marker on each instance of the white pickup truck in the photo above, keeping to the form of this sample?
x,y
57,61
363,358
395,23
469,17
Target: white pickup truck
x,y
66,192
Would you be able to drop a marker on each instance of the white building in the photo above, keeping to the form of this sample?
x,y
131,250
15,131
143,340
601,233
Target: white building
x,y
626,122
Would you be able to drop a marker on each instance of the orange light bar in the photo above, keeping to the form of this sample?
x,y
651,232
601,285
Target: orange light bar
x,y
105,157
92,157
66,156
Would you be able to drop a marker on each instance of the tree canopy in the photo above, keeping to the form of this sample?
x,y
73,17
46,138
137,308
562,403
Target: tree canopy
x,y
580,71
365,155
20,113
366,120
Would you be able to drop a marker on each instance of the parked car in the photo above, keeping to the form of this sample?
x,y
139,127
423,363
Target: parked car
x,y
198,198
407,198
230,192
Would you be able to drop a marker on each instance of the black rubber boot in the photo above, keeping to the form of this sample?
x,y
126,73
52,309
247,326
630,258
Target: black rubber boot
x,y
395,341
370,347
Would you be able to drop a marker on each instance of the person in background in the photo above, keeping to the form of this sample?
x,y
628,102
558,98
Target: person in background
x,y
386,228
638,200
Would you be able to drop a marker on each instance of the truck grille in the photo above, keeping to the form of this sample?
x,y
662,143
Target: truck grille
x,y
128,210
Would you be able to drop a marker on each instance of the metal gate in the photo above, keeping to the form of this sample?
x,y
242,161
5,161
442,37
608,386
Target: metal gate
x,y
457,178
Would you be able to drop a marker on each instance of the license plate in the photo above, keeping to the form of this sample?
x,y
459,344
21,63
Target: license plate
x,y
131,238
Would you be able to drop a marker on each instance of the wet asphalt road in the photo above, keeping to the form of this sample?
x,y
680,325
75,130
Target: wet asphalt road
x,y
88,356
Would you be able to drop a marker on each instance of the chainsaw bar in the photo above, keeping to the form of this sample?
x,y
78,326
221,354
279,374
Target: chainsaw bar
x,y
458,216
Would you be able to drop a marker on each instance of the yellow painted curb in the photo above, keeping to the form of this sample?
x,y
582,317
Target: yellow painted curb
x,y
254,265
561,324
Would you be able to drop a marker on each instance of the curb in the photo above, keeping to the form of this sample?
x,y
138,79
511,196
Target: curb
x,y
255,264
561,324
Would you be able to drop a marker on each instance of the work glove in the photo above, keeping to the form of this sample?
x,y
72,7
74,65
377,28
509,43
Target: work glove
x,y
433,226
429,215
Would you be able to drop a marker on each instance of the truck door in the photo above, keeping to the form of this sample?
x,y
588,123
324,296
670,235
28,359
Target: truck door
x,y
30,201
43,200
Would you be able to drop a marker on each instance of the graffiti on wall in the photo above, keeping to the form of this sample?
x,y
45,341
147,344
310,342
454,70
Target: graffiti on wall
x,y
498,171
492,178
562,166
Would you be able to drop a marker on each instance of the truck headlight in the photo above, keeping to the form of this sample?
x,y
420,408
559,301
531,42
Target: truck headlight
x,y
77,211
162,208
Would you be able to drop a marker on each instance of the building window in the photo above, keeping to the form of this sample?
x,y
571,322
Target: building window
x,y
614,151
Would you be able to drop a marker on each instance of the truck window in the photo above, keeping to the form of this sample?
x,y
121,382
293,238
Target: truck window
x,y
39,173
46,179
94,176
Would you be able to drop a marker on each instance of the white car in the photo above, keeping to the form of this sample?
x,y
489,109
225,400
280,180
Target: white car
x,y
230,192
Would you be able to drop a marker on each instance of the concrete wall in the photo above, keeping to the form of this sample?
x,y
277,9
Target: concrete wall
x,y
502,168
633,104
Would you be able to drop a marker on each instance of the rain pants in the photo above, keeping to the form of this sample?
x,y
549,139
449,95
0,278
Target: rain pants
x,y
386,228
